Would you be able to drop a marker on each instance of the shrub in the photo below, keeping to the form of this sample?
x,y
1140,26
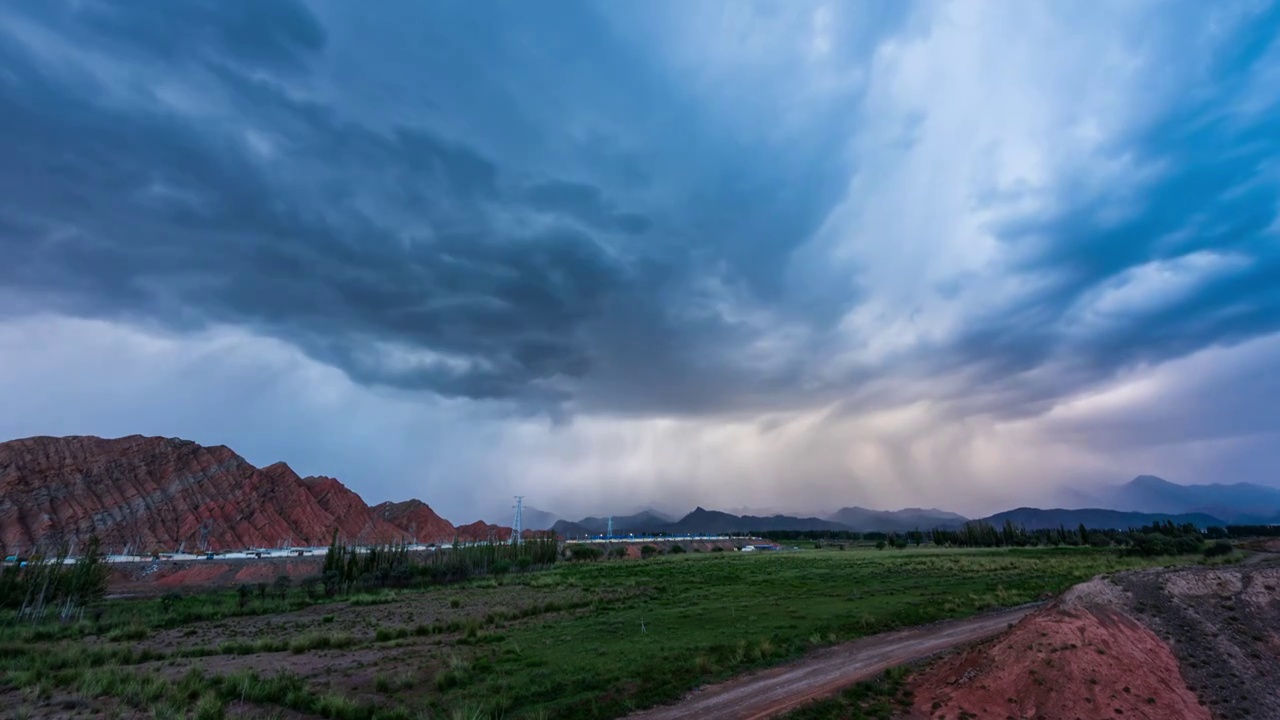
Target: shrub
x,y
209,708
1221,547
282,585
313,587
880,544
584,553
133,631
456,673
336,706
168,600
676,549
648,551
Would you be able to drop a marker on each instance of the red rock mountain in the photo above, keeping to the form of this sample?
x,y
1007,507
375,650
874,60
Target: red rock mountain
x,y
354,520
153,493
418,519
481,531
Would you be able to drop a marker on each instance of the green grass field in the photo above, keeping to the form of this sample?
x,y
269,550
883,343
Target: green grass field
x,y
590,640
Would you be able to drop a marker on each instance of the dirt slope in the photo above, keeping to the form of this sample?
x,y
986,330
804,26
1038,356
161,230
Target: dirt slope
x,y
155,578
1223,624
1190,642
1079,658
777,690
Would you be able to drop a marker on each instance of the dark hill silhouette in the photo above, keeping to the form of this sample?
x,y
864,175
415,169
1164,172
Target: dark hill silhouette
x,y
1094,518
713,522
641,523
534,519
1239,503
699,522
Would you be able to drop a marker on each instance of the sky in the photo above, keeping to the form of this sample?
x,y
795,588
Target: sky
x,y
788,255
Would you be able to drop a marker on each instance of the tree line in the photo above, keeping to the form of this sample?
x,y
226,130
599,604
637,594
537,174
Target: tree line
x,y
347,569
1158,538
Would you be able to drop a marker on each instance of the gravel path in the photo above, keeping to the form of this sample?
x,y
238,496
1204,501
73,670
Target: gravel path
x,y
774,691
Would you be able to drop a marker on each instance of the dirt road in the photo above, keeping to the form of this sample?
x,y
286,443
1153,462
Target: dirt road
x,y
776,690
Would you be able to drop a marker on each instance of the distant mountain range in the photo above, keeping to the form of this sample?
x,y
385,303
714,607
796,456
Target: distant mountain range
x,y
1094,519
534,519
1238,503
715,522
712,522
645,521
709,522
1142,501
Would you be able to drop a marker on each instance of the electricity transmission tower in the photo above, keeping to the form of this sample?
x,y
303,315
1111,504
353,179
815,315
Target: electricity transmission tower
x,y
516,529
610,530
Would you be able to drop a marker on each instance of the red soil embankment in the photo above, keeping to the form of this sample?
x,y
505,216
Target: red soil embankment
x,y
164,575
1079,658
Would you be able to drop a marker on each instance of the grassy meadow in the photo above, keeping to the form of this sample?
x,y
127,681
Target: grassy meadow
x,y
583,640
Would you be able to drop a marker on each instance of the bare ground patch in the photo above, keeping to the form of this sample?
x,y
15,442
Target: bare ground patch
x,y
1223,624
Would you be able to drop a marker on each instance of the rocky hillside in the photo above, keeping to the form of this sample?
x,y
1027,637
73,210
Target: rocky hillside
x,y
160,493
416,518
481,531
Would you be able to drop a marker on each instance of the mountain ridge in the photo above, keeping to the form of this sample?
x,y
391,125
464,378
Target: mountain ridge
x,y
1094,518
1241,502
156,493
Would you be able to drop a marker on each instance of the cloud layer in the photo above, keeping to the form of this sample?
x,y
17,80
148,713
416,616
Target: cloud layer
x,y
789,254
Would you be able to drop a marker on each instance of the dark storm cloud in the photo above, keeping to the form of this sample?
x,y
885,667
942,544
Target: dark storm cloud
x,y
401,256
556,219
136,212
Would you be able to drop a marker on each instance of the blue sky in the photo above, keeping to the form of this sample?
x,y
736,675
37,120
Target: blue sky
x,y
790,255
